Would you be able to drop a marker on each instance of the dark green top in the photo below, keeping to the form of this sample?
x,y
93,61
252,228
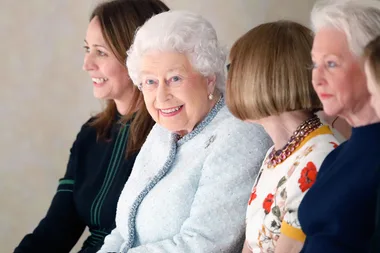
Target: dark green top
x,y
86,196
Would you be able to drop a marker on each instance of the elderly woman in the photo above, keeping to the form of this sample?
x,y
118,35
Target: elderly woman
x,y
190,184
372,70
263,87
338,212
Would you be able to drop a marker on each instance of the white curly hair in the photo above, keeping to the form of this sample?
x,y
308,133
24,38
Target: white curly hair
x,y
358,19
183,32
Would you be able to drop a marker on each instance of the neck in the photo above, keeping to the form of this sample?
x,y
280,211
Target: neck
x,y
126,105
280,128
366,115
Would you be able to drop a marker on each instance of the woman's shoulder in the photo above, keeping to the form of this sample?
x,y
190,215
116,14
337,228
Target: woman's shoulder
x,y
316,147
322,139
87,133
87,127
225,123
231,136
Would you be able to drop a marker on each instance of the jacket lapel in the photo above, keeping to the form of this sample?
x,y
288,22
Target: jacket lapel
x,y
152,163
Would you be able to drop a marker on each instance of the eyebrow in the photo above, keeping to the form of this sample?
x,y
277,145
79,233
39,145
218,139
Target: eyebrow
x,y
96,45
339,57
145,72
175,68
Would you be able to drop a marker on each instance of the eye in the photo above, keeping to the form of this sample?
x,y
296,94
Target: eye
x,y
313,65
331,64
101,53
86,49
175,79
149,82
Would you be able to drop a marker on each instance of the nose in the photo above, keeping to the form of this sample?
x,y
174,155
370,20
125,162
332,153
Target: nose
x,y
163,92
89,62
317,76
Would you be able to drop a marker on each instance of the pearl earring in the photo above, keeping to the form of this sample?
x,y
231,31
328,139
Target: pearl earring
x,y
211,96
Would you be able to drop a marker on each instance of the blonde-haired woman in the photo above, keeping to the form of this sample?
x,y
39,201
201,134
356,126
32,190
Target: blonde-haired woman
x,y
269,82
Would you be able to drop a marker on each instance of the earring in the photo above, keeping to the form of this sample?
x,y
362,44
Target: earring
x,y
211,96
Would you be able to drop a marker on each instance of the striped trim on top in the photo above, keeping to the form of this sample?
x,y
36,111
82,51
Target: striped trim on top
x,y
116,158
65,185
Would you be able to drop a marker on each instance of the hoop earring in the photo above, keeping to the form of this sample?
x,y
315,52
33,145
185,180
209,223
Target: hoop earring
x,y
211,96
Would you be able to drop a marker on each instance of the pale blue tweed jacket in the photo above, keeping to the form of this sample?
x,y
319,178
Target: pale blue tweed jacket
x,y
190,196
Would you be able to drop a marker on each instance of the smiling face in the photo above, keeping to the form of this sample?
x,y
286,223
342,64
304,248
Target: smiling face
x,y
338,77
110,78
175,94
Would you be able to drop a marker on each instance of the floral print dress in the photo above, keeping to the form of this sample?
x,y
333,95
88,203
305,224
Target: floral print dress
x,y
273,205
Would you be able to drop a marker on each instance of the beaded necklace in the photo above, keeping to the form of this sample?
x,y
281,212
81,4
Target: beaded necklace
x,y
278,156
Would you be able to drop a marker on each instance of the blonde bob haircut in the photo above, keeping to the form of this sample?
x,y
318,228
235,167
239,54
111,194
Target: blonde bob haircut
x,y
270,72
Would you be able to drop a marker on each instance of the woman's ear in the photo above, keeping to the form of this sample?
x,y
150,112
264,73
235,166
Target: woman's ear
x,y
211,82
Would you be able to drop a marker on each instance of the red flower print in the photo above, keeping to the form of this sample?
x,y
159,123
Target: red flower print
x,y
308,176
253,196
267,204
335,145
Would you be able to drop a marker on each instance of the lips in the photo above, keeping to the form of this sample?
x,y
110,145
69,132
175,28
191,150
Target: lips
x,y
325,96
99,81
169,112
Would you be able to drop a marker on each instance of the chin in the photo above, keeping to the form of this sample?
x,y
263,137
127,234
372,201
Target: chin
x,y
331,111
100,95
171,127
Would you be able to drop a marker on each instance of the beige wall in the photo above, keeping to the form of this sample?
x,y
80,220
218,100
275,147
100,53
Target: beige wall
x,y
45,96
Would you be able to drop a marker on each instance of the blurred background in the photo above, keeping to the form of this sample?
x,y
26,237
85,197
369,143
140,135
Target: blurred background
x,y
45,96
